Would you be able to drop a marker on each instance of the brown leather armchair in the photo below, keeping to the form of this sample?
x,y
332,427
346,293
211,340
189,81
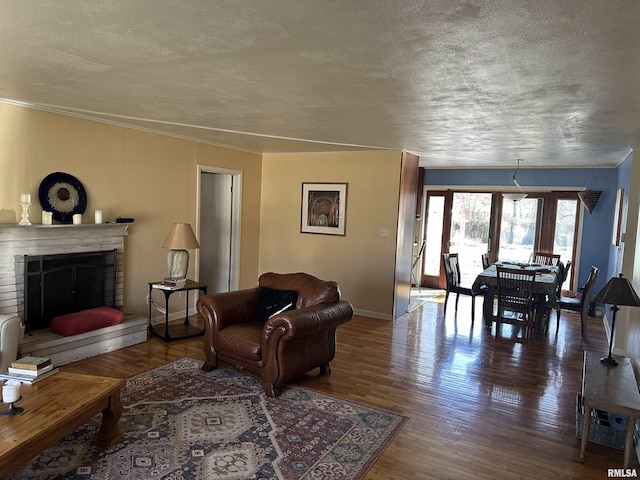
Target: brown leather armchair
x,y
287,344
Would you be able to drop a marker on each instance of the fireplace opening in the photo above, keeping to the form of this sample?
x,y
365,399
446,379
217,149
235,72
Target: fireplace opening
x,y
66,283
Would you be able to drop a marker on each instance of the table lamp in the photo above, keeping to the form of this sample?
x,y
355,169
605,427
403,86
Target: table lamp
x,y
180,238
617,291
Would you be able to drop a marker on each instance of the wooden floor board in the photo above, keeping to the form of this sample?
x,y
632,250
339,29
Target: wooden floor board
x,y
479,407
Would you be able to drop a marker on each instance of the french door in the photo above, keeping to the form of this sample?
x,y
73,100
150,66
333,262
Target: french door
x,y
473,223
436,239
456,222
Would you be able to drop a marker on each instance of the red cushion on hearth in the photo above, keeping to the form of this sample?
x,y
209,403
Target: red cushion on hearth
x,y
86,320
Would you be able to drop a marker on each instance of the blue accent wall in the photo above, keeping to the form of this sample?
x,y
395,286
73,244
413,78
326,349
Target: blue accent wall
x,y
597,228
623,180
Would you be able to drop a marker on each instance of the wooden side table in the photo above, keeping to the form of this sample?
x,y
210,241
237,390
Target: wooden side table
x,y
613,389
178,331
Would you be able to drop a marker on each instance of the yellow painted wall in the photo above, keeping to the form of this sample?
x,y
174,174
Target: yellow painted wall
x,y
153,178
362,262
14,165
126,172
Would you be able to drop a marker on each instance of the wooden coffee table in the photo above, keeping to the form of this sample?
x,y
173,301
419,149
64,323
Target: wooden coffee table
x,y
54,407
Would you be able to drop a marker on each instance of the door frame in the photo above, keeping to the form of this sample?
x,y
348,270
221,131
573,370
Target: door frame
x,y
236,218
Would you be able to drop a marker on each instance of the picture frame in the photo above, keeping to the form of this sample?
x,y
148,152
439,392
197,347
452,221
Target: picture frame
x,y
323,209
617,217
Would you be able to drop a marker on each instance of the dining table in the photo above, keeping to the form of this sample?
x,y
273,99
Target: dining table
x,y
545,287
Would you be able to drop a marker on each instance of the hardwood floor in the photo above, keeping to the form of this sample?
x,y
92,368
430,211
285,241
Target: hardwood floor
x,y
478,407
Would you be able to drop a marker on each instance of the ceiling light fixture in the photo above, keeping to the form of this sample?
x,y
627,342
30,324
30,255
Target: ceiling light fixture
x,y
516,196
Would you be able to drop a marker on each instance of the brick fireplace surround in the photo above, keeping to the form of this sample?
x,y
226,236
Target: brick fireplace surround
x,y
19,240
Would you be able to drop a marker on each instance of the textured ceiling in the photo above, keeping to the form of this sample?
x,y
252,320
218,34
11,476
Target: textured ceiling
x,y
477,83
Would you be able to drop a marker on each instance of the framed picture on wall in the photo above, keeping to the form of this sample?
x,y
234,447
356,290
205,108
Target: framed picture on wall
x,y
617,217
324,207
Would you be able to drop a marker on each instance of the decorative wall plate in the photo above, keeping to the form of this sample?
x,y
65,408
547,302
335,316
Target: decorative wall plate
x,y
62,194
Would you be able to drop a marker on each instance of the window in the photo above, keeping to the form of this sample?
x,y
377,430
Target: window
x,y
433,231
519,229
473,223
470,225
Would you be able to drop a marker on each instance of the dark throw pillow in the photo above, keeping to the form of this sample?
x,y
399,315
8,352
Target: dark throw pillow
x,y
272,301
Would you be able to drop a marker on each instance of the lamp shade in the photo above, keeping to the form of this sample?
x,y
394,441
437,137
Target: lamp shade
x,y
514,196
618,291
181,236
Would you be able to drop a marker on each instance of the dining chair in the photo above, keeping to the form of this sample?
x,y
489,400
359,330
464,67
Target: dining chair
x,y
416,259
578,301
516,304
453,278
486,263
563,274
546,258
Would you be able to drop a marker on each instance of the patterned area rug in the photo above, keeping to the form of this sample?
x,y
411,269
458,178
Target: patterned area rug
x,y
182,423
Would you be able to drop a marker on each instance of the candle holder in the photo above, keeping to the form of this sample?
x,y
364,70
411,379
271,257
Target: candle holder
x,y
12,409
25,213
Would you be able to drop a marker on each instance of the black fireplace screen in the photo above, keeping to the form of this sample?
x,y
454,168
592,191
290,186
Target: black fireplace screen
x,y
66,283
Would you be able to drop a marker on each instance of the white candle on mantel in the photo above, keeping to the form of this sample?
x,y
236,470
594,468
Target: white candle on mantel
x,y
25,198
11,391
47,218
98,216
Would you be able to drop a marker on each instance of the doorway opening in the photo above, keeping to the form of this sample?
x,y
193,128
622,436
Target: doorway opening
x,y
219,199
